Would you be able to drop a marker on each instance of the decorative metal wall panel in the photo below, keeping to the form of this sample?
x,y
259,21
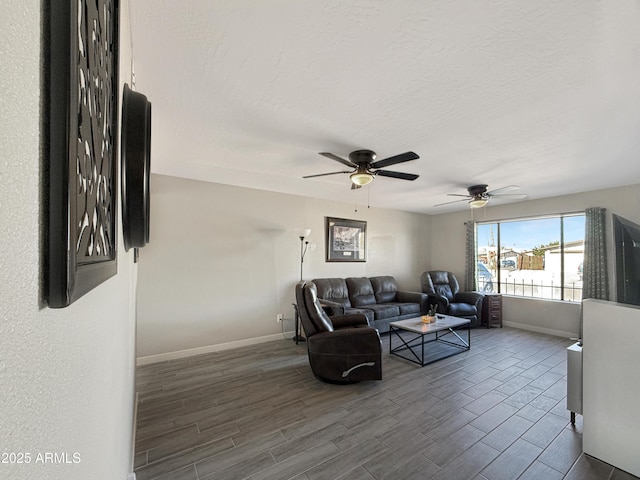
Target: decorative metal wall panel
x,y
83,113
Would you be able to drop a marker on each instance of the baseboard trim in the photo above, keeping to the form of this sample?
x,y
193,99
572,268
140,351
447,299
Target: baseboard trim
x,y
163,357
548,331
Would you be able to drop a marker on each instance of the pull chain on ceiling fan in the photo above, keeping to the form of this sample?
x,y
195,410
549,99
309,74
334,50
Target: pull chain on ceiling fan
x,y
365,168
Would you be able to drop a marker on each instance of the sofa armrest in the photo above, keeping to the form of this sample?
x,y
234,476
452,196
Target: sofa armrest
x,y
472,298
346,341
351,320
332,308
415,297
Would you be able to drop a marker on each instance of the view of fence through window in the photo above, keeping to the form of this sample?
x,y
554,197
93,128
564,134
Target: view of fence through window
x,y
540,257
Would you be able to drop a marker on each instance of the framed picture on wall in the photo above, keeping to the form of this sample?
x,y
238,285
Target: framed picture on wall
x,y
346,240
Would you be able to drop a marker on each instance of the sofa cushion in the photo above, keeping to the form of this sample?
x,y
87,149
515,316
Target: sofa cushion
x,y
360,292
384,288
384,310
462,310
333,289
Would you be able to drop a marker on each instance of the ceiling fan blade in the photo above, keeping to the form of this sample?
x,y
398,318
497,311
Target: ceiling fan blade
x,y
458,195
448,203
400,175
403,157
355,187
344,161
515,196
508,188
325,174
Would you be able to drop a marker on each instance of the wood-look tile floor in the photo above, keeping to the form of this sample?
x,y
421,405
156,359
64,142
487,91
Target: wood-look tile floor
x,y
495,412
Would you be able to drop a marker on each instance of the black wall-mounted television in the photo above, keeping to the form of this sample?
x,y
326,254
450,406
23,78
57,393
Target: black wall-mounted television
x,y
626,237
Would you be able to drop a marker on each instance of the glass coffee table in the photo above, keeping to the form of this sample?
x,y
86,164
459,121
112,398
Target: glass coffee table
x,y
414,335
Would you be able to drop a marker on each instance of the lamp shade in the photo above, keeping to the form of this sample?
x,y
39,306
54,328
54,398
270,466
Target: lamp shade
x,y
303,232
478,202
361,178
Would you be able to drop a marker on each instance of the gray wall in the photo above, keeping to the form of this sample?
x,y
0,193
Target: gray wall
x,y
67,375
223,261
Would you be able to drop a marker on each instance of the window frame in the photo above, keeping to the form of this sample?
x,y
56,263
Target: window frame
x,y
498,258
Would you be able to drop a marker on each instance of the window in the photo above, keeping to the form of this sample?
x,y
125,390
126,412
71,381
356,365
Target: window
x,y
538,257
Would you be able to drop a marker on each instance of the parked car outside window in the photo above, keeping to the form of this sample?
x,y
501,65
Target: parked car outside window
x,y
507,263
485,280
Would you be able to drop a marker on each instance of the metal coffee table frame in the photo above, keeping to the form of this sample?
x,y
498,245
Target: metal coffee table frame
x,y
446,325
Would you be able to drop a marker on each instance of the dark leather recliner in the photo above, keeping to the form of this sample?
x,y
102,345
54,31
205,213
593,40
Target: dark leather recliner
x,y
443,290
343,348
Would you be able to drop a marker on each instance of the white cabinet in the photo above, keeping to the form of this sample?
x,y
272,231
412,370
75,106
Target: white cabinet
x,y
611,383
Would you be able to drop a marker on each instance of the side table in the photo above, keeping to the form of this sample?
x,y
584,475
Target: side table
x,y
492,310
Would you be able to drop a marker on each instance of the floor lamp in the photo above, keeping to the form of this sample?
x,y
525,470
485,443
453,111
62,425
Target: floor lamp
x,y
304,246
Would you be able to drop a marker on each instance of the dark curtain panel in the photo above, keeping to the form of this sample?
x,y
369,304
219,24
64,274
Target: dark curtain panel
x,y
595,280
470,266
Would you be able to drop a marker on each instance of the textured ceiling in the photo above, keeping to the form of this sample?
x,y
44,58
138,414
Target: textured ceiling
x,y
541,94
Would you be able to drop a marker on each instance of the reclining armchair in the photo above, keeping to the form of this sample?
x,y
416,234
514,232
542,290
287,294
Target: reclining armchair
x,y
343,348
443,290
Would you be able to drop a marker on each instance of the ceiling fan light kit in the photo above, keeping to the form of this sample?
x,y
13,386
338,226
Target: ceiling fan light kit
x,y
478,202
478,196
361,178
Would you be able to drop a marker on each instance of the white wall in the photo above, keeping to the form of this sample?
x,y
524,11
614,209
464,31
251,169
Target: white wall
x,y
554,317
611,383
223,261
66,375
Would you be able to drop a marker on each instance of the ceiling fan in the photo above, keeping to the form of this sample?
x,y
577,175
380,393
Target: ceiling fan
x,y
478,195
365,168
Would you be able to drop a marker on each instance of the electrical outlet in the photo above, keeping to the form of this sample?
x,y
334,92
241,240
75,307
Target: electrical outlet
x,y
279,317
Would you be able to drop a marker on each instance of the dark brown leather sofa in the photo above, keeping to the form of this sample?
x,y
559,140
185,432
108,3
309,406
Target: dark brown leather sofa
x,y
377,298
343,348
